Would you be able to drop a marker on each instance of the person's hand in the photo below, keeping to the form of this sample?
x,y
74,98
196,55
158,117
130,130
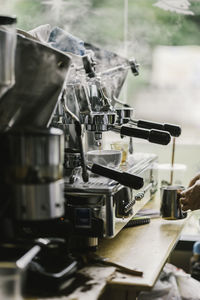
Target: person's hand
x,y
190,198
192,182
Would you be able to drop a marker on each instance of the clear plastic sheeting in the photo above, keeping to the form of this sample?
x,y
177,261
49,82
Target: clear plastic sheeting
x,y
175,284
112,67
66,42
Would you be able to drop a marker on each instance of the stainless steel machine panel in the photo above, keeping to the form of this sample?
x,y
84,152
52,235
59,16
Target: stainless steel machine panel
x,y
102,207
39,201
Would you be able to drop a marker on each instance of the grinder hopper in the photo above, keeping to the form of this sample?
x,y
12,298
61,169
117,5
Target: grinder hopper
x,y
39,75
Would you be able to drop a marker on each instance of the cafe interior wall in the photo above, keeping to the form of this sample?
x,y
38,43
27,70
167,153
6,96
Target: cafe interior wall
x,y
165,41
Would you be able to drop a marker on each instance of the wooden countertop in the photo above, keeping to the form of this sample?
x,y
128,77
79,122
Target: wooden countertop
x,y
145,247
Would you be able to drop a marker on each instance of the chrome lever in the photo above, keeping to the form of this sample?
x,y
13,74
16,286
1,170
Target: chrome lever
x,y
139,196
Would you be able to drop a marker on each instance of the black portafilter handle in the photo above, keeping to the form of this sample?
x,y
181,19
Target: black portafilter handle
x,y
124,178
174,130
153,136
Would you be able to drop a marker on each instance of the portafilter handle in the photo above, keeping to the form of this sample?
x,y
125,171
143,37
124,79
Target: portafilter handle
x,y
124,178
174,130
153,136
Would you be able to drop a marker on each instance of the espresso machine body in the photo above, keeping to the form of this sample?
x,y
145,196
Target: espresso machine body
x,y
52,198
100,206
100,201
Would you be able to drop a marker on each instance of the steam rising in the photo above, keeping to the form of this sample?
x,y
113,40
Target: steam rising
x,y
67,11
128,32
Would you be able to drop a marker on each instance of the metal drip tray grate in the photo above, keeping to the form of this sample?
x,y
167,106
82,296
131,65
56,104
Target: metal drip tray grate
x,y
95,184
96,180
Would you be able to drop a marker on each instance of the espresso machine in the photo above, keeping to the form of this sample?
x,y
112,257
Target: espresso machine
x,y
53,200
100,201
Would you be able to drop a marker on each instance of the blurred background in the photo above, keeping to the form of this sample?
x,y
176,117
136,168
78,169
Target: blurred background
x,y
162,35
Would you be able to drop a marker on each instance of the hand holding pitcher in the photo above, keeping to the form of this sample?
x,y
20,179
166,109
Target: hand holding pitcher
x,y
190,198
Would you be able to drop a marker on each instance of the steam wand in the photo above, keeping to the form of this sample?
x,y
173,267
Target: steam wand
x,y
116,100
131,64
78,130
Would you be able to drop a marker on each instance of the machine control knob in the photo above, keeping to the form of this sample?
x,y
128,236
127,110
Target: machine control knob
x,y
129,206
139,196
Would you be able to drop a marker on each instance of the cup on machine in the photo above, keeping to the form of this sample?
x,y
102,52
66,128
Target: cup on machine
x,y
123,147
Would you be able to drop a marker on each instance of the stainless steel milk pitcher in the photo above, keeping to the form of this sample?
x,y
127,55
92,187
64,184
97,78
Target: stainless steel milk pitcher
x,y
170,205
